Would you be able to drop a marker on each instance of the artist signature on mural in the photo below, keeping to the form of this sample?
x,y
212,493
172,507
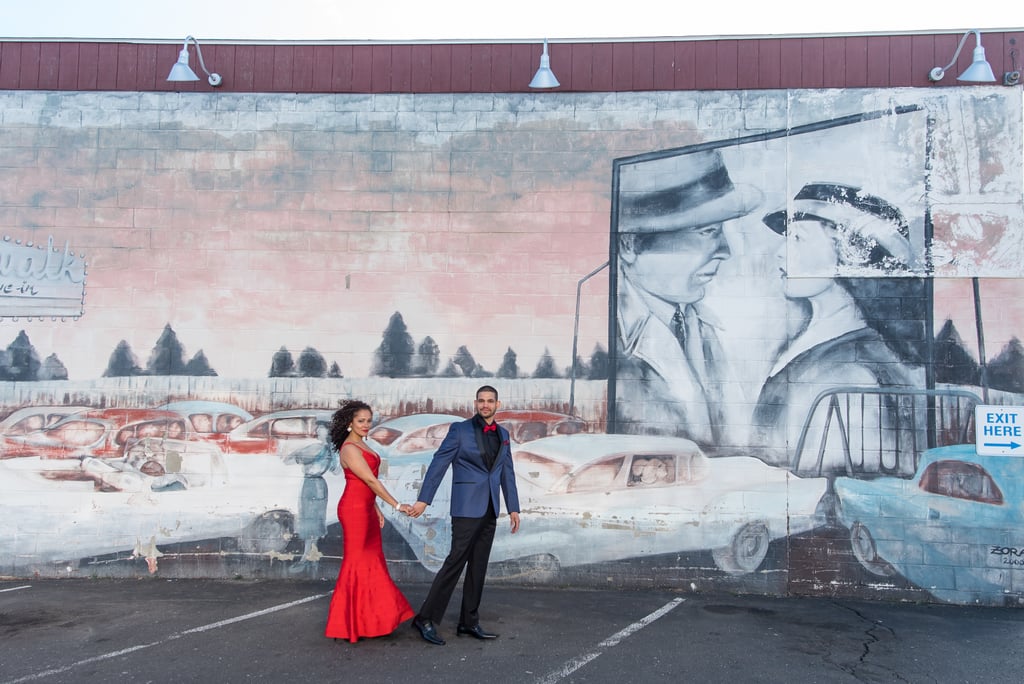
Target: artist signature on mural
x,y
1008,555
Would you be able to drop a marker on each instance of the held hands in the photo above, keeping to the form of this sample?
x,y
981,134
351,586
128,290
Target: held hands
x,y
411,511
417,509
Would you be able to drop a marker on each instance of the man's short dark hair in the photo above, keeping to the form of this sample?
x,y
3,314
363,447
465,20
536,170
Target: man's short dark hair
x,y
487,388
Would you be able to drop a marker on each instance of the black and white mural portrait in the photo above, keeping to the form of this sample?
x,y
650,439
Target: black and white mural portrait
x,y
755,275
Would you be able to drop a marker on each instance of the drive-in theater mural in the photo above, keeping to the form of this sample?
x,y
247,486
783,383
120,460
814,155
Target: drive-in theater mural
x,y
739,334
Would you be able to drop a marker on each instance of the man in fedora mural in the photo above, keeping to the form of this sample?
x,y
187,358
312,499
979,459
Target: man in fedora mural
x,y
670,243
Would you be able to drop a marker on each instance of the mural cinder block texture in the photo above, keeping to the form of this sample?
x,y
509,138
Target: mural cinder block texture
x,y
738,335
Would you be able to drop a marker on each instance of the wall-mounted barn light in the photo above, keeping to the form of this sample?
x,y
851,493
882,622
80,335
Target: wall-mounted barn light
x,y
979,71
544,78
181,71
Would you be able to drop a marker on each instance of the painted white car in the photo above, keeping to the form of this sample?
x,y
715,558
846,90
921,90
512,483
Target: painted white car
x,y
161,491
588,498
50,513
409,441
277,433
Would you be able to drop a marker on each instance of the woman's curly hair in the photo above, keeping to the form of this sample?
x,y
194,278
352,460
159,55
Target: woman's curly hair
x,y
342,419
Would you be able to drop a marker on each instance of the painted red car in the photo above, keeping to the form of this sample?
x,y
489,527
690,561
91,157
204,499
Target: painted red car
x,y
278,433
525,425
100,433
29,419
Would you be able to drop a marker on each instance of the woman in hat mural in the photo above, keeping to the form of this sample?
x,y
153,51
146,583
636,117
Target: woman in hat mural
x,y
835,229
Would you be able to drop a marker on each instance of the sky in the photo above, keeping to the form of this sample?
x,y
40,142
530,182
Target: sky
x,y
523,20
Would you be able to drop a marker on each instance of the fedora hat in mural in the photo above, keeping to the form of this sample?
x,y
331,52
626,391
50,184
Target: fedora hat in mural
x,y
874,231
682,191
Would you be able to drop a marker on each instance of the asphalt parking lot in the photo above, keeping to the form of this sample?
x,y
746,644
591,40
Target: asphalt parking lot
x,y
159,630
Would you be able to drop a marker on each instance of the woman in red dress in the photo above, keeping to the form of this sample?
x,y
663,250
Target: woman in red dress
x,y
366,602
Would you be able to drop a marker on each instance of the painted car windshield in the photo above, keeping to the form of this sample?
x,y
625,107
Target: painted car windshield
x,y
961,480
28,424
424,439
77,433
227,422
538,468
173,429
291,428
384,435
642,471
525,431
596,476
201,422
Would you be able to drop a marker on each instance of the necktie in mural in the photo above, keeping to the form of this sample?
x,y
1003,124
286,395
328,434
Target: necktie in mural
x,y
701,347
679,327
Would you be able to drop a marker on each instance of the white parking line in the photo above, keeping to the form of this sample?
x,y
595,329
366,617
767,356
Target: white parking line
x,y
23,586
613,640
172,637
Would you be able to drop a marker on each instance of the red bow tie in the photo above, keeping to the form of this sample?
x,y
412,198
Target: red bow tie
x,y
490,428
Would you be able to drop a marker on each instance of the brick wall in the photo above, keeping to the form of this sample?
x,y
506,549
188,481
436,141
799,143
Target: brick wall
x,y
248,223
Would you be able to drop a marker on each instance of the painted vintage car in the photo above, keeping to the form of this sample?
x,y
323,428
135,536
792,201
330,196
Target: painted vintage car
x,y
279,432
209,419
101,433
60,511
589,498
161,491
30,419
413,439
955,529
409,440
525,425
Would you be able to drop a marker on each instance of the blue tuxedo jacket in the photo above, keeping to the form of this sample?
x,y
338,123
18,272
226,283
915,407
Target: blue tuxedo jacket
x,y
473,485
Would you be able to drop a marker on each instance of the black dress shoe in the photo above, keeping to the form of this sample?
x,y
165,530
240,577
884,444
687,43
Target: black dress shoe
x,y
427,631
475,631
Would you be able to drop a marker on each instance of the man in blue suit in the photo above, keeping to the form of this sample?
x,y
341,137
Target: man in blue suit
x,y
481,460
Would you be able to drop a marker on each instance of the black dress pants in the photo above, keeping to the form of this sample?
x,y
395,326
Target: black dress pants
x,y
471,549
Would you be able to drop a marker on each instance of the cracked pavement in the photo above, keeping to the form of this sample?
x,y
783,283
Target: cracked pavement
x,y
160,630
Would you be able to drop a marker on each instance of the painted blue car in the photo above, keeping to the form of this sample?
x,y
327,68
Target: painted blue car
x,y
955,529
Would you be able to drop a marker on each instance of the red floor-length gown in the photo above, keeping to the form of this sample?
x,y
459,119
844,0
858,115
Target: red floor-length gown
x,y
366,602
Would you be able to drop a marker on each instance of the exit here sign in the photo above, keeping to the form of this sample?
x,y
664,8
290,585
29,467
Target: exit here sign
x,y
1000,430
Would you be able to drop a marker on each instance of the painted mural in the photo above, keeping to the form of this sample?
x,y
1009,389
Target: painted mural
x,y
760,374
823,243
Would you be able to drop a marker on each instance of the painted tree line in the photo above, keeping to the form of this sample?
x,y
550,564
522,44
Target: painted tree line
x,y
398,356
167,358
20,363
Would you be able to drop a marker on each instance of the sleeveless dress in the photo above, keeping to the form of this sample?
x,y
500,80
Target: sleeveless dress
x,y
366,602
